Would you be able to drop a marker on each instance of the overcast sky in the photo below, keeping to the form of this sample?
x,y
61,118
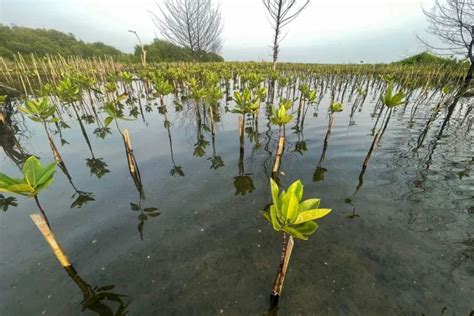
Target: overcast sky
x,y
328,31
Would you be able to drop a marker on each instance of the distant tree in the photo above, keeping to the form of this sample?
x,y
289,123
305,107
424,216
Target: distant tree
x,y
281,13
452,21
24,40
193,24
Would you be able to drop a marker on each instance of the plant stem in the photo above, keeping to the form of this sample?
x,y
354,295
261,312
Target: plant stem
x,y
287,248
42,211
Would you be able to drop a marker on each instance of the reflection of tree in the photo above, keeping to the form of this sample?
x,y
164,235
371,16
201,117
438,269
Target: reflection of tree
x,y
97,166
320,171
6,202
243,183
8,139
145,213
95,299
201,142
216,160
176,170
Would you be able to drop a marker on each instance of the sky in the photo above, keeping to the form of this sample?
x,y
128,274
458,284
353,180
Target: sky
x,y
328,31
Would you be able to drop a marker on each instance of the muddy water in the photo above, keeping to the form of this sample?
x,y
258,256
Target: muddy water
x,y
399,240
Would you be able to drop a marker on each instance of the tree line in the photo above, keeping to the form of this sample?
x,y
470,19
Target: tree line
x,y
42,42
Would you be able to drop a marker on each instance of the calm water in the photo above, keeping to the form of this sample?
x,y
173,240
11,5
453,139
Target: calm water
x,y
403,243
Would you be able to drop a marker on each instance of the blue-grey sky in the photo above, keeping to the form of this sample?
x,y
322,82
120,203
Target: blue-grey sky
x,y
328,31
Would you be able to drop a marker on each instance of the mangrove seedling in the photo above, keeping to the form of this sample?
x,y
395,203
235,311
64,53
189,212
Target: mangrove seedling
x,y
294,217
36,178
281,118
390,100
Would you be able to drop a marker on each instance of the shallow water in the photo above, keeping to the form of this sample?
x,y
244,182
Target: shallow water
x,y
402,244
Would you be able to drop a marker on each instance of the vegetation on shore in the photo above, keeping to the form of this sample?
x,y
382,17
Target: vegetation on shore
x,y
42,42
428,59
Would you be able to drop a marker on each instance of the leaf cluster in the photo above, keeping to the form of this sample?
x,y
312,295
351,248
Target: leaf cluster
x,y
288,213
35,178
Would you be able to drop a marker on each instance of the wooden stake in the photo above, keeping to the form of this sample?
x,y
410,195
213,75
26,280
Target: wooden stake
x,y
49,236
287,249
281,146
128,147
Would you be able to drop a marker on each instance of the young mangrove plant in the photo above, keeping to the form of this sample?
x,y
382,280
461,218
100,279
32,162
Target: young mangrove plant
x,y
390,100
43,112
295,218
280,117
36,178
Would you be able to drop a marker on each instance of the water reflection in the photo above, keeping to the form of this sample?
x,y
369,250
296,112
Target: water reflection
x,y
243,183
211,145
8,136
147,212
6,202
99,300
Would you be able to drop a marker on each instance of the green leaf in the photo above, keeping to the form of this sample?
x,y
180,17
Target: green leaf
x,y
307,228
297,188
108,120
44,185
273,218
22,189
267,216
336,107
47,173
275,190
7,181
309,204
312,215
294,232
32,171
289,209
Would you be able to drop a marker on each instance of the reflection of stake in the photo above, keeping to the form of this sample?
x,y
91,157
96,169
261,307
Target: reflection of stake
x,y
49,236
132,163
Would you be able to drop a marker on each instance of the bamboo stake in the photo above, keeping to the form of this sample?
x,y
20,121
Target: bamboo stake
x,y
287,249
281,146
51,239
128,147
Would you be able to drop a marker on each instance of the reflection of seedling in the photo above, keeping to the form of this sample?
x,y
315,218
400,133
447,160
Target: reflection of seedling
x,y
6,202
145,213
318,174
36,178
295,218
97,166
114,112
243,184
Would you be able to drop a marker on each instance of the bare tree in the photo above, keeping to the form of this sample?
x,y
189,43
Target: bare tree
x,y
452,21
193,24
281,13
